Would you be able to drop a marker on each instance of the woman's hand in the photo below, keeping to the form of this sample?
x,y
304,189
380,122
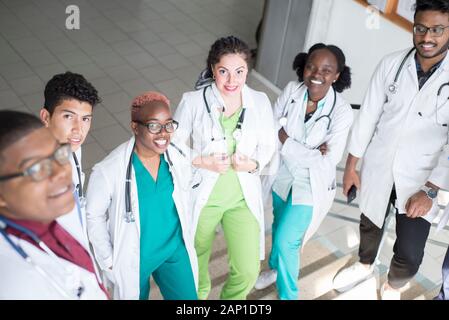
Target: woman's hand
x,y
323,149
283,136
216,162
240,162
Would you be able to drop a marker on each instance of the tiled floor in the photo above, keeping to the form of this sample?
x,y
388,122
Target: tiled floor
x,y
123,47
127,47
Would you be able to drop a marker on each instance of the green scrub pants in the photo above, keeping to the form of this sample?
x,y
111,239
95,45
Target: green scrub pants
x,y
173,276
241,231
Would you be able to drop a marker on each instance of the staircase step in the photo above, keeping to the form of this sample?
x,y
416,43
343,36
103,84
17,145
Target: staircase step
x,y
319,282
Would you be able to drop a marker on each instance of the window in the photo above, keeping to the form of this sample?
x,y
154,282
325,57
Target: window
x,y
398,11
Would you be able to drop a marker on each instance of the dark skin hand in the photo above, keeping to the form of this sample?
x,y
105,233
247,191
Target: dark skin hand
x,y
418,205
283,136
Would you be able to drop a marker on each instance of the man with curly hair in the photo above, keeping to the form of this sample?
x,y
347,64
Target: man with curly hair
x,y
67,112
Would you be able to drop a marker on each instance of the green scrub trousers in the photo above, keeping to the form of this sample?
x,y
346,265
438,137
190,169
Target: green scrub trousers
x,y
226,204
162,250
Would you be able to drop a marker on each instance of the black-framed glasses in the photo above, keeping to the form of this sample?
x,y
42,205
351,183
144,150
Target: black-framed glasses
x,y
156,127
43,168
421,30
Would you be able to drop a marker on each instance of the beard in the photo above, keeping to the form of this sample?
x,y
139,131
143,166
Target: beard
x,y
443,50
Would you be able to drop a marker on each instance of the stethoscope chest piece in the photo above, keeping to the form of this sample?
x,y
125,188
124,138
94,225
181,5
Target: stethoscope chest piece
x,y
393,88
129,217
83,202
283,121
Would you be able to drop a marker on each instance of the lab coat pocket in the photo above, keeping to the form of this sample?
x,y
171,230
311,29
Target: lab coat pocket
x,y
442,112
391,105
427,162
196,180
435,110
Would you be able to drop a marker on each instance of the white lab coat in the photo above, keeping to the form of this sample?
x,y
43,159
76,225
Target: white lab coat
x,y
399,137
257,142
116,243
19,280
81,213
294,155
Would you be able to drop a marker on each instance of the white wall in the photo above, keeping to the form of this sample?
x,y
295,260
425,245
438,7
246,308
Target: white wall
x,y
345,23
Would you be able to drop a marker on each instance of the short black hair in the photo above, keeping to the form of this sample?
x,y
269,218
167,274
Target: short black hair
x,y
66,86
432,5
344,80
226,45
15,125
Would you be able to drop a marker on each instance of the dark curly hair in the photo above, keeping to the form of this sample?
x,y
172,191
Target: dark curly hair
x,y
66,86
432,5
15,125
344,80
224,46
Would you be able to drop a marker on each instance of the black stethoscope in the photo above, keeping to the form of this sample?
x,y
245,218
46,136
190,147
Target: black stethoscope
x,y
81,197
129,215
4,223
393,88
283,119
237,134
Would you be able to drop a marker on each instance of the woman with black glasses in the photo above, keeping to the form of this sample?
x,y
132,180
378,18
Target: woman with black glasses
x,y
138,205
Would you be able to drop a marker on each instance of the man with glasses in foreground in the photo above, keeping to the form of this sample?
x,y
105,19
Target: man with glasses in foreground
x,y
39,257
139,206
402,135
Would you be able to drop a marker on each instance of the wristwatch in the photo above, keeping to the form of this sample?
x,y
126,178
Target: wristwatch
x,y
431,193
256,168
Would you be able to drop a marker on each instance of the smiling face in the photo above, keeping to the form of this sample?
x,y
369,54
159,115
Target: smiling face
x,y
25,199
152,112
70,121
230,74
428,46
320,71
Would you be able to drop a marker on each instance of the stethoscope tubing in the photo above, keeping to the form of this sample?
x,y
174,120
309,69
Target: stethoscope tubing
x,y
394,86
285,111
7,223
238,128
78,171
129,215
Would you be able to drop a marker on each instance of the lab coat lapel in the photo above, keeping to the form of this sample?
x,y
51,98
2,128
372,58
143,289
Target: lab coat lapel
x,y
412,73
134,195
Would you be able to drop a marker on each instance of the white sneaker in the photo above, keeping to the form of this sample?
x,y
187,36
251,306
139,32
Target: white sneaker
x,y
266,279
389,294
349,277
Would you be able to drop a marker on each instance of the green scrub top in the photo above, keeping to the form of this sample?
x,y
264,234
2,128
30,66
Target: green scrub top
x,y
227,191
160,228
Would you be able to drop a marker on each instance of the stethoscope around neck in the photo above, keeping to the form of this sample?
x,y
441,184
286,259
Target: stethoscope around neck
x,y
283,119
81,197
237,134
129,215
4,223
393,87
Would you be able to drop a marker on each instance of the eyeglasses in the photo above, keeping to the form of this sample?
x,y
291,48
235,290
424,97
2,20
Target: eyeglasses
x,y
156,127
421,30
43,168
